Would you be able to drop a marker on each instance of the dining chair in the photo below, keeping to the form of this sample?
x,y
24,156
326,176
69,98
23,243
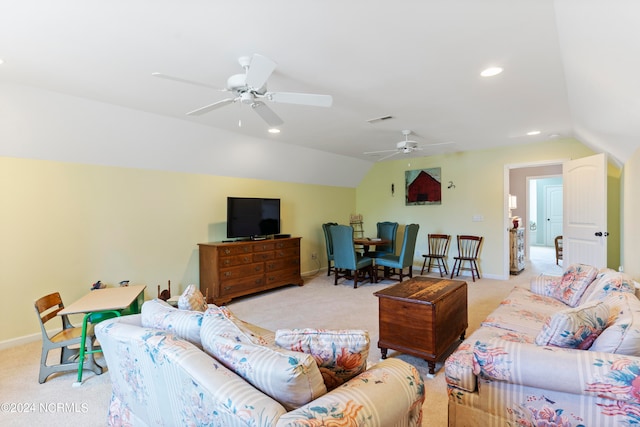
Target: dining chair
x,y
438,248
346,263
47,309
405,259
329,245
468,249
558,244
386,231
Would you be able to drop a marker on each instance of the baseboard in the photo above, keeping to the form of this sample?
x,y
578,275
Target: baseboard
x,y
15,342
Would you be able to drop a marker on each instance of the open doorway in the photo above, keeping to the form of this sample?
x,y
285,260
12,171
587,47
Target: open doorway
x,y
544,213
538,190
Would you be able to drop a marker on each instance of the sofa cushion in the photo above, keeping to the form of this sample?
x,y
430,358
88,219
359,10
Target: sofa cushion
x,y
290,377
606,282
575,280
185,324
523,311
575,327
622,334
192,299
340,354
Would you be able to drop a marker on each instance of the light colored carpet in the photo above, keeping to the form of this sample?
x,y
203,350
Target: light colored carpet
x,y
317,304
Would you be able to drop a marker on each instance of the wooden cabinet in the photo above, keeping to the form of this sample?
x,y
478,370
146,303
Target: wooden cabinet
x,y
230,270
516,251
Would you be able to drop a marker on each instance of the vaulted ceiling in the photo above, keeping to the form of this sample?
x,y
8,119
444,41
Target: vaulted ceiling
x,y
570,67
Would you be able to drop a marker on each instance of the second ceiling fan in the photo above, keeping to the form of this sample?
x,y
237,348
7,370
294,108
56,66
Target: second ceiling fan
x,y
251,88
405,146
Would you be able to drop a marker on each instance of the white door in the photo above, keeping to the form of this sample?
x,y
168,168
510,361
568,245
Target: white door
x,y
585,211
553,213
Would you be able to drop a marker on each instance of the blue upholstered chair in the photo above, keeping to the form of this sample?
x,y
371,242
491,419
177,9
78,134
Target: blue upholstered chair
x,y
329,245
405,259
386,231
346,263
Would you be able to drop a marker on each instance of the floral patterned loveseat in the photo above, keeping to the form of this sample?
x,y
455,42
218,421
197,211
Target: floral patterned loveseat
x,y
177,367
565,352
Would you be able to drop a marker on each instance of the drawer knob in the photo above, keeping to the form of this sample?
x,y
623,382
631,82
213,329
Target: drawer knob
x,y
227,274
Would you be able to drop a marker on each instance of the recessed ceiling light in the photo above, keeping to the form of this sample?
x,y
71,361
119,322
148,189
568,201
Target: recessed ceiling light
x,y
274,130
491,71
1,61
533,132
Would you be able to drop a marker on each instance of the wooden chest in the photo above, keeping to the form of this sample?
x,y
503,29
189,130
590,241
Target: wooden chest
x,y
424,317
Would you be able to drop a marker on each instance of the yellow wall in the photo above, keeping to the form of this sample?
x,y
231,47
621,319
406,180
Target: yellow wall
x,y
478,177
630,209
64,226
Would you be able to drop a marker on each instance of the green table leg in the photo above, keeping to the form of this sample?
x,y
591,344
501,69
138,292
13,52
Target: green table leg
x,y
94,317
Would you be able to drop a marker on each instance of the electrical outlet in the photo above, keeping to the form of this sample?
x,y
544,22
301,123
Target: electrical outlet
x,y
314,255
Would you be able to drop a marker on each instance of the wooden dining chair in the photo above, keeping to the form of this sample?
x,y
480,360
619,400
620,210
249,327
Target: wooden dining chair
x,y
558,244
346,263
438,248
328,245
47,309
468,249
398,263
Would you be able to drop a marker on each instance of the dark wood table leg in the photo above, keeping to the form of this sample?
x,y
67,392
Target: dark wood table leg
x,y
384,353
432,367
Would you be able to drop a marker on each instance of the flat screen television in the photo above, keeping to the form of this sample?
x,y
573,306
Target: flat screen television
x,y
252,217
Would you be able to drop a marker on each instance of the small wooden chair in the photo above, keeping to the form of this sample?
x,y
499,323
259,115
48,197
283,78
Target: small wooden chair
x,y
468,249
47,308
558,242
438,247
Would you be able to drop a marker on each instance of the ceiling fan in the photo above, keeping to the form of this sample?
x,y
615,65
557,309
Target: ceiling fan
x,y
405,146
251,88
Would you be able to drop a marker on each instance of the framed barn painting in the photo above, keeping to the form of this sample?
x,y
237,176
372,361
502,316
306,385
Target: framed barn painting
x,y
423,187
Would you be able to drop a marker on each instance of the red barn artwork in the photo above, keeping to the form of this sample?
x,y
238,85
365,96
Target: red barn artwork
x,y
423,187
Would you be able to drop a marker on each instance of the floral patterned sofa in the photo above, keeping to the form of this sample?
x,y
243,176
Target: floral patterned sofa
x,y
176,367
565,352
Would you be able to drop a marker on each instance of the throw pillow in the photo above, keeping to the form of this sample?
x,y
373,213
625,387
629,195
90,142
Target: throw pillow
x,y
157,314
607,282
192,299
340,354
575,327
622,334
292,378
575,280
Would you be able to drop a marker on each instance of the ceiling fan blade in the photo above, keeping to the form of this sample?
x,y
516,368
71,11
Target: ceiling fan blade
x,y
267,114
259,71
301,98
378,152
211,107
389,156
181,80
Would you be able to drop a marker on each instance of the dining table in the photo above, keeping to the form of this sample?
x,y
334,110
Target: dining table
x,y
368,242
98,305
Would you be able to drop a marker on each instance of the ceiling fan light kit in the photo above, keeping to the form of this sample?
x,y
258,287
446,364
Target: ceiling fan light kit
x,y
251,86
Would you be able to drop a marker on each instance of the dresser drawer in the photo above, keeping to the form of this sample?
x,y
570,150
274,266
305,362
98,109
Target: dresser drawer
x,y
240,286
234,250
230,261
281,264
240,271
287,252
263,256
284,277
263,246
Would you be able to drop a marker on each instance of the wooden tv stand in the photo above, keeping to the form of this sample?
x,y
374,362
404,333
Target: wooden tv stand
x,y
233,269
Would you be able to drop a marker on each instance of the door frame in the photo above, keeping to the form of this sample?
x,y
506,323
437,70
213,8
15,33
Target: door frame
x,y
505,210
